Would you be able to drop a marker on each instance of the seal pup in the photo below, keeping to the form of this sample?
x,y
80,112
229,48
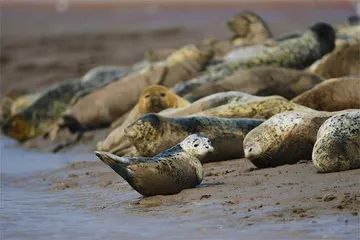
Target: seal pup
x,y
296,53
343,61
169,172
102,107
152,100
152,134
332,95
261,81
337,146
285,138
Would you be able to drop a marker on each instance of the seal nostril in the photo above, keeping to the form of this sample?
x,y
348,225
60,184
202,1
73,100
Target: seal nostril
x,y
250,149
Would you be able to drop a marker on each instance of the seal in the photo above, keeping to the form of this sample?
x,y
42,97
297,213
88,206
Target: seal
x,y
253,107
261,81
343,61
152,134
337,146
102,107
285,138
297,53
15,101
248,29
48,107
332,95
152,100
169,172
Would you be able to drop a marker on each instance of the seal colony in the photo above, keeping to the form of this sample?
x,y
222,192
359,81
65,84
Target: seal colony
x,y
269,99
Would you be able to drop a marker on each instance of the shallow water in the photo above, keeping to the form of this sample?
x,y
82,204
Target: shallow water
x,y
32,213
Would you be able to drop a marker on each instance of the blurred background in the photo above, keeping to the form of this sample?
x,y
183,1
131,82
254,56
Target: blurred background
x,y
46,41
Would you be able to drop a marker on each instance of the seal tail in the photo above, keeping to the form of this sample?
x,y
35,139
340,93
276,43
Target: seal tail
x,y
118,164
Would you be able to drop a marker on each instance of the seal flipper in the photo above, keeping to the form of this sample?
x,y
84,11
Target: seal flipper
x,y
118,164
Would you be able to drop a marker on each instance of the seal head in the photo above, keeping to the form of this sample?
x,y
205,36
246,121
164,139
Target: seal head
x,y
155,99
325,35
197,145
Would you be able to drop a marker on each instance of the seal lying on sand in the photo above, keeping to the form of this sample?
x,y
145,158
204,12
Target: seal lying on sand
x,y
153,133
332,95
49,106
296,53
152,100
253,107
285,138
261,81
337,147
343,61
169,172
102,107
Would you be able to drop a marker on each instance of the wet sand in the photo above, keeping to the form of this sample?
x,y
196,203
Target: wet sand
x,y
78,196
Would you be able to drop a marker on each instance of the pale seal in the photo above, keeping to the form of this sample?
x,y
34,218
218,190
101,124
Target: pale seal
x,y
343,61
169,172
152,134
285,138
337,146
332,95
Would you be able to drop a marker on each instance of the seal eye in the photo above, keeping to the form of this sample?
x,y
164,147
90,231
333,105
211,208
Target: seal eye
x,y
162,94
147,95
196,145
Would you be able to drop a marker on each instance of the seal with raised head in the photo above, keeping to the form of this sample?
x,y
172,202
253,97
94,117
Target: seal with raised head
x,y
152,134
169,172
261,81
152,100
332,95
297,53
337,146
248,29
285,138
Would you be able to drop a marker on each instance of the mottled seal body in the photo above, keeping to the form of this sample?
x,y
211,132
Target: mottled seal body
x,y
297,53
337,147
48,107
153,133
332,95
285,138
152,100
253,107
169,172
261,81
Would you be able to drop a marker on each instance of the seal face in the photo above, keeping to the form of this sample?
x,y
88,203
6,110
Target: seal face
x,y
337,147
169,172
155,99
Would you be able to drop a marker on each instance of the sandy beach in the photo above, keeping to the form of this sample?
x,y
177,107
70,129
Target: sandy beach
x,y
72,194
